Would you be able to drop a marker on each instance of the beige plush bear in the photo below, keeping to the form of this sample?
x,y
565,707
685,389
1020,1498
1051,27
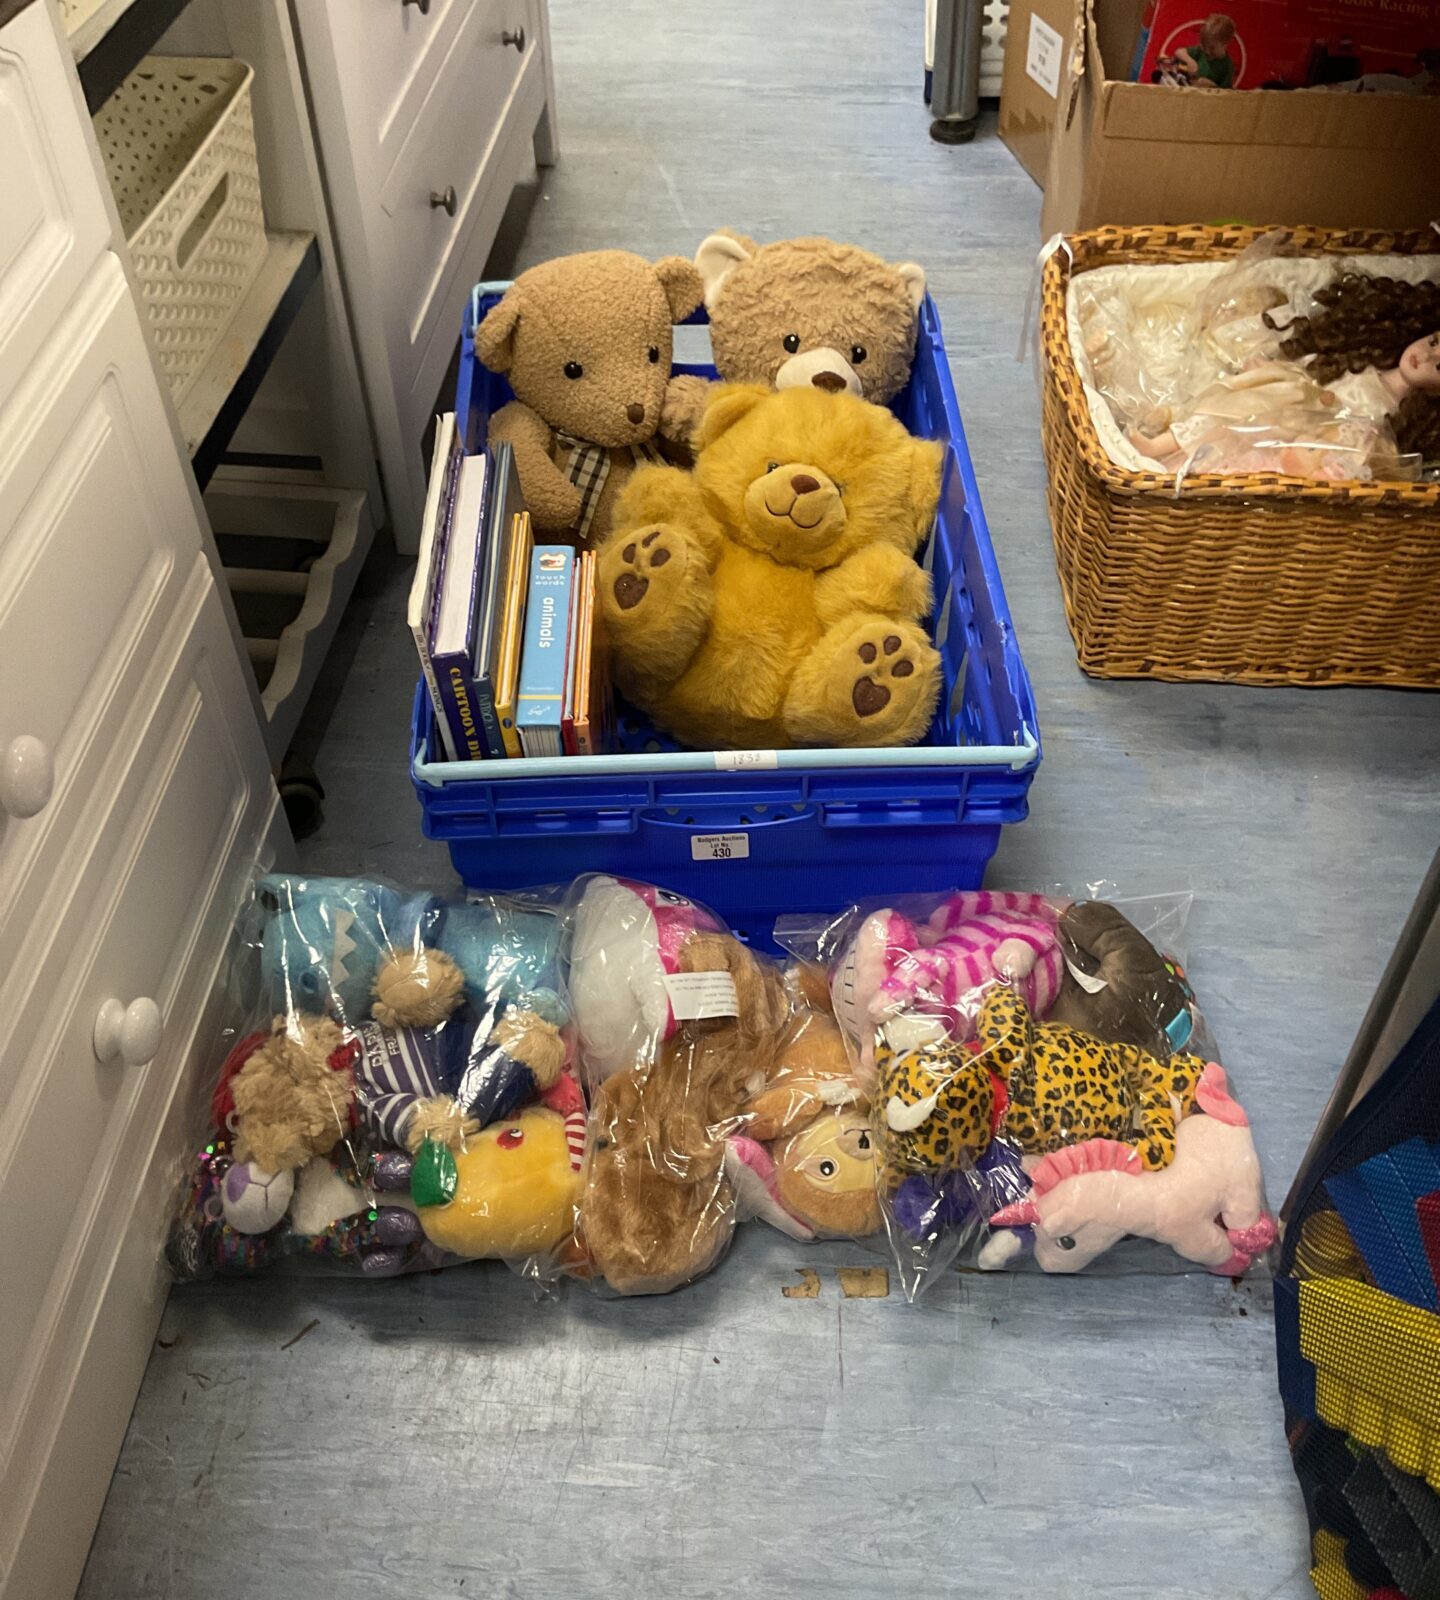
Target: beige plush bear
x,y
802,311
585,341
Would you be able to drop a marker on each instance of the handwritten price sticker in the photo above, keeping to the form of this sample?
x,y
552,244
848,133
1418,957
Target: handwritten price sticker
x,y
744,760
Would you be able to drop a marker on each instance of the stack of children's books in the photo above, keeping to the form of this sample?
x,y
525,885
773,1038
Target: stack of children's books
x,y
507,630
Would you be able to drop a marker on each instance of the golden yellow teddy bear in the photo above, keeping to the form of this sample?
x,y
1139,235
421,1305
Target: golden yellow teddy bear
x,y
770,597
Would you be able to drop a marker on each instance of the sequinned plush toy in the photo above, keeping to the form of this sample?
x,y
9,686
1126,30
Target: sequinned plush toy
x,y
770,598
1040,1086
323,1210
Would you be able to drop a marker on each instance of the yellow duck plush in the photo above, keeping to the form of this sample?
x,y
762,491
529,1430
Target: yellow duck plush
x,y
770,597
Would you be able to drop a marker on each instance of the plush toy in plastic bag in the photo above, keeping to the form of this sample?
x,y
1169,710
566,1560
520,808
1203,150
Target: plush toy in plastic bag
x,y
1042,1084
721,1089
406,1095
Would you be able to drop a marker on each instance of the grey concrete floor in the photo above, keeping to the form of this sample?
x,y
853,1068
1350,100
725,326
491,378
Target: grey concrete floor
x,y
455,1434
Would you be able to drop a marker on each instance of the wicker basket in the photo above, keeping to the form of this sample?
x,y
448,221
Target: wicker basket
x,y
179,144
1259,579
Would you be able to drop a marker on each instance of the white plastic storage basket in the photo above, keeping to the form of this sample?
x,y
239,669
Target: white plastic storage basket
x,y
179,143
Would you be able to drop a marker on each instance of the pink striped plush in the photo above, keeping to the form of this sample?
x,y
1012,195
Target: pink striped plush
x,y
939,967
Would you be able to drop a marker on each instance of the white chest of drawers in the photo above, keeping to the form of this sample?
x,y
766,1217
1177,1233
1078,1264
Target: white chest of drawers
x,y
426,112
135,800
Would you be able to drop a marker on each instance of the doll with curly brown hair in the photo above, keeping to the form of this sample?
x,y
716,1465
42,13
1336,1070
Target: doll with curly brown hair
x,y
1378,330
1359,386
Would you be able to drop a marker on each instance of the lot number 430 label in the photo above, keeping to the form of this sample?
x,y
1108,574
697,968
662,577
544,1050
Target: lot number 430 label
x,y
719,846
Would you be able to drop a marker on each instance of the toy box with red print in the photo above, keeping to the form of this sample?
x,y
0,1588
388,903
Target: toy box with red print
x,y
1292,44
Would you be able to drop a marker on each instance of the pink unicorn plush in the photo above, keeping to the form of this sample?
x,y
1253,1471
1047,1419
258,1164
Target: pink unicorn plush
x,y
940,968
1208,1205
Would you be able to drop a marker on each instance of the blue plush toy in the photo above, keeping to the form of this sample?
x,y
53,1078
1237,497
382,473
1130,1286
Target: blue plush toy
x,y
354,949
509,955
395,972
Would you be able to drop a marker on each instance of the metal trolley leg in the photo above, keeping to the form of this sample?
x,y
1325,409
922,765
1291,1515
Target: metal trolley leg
x,y
955,91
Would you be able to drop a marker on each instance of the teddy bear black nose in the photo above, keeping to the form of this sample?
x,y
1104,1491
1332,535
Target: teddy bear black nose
x,y
803,483
831,382
635,412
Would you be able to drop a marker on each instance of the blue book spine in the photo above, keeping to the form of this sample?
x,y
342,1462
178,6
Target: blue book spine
x,y
456,684
489,722
541,699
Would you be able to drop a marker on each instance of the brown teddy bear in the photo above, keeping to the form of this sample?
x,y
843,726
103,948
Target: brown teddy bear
x,y
1117,985
586,343
802,311
657,1205
770,597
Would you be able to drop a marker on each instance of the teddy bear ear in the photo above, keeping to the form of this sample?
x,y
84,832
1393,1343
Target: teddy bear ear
x,y
730,402
495,336
912,275
717,257
681,283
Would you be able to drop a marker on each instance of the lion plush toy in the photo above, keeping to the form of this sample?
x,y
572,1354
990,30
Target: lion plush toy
x,y
770,597
812,1122
801,311
586,342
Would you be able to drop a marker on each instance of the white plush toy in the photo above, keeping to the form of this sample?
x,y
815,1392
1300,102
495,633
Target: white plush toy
x,y
624,953
1208,1205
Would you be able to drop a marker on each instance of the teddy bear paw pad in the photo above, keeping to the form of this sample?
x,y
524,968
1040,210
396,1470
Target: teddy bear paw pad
x,y
870,694
640,559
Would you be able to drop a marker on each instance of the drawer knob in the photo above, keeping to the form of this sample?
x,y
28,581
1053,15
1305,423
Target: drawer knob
x,y
128,1033
422,6
443,200
517,38
27,776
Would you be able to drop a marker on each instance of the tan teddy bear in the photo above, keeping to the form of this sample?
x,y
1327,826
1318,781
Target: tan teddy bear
x,y
802,311
293,1094
770,597
586,343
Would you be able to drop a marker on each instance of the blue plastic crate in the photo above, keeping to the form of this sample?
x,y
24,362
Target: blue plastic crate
x,y
805,830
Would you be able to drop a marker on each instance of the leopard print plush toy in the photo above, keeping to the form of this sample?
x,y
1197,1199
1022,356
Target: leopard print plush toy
x,y
937,1100
1040,1086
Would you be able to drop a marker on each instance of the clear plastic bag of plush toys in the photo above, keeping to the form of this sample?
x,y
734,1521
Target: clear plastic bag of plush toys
x,y
719,1089
1044,1088
403,1095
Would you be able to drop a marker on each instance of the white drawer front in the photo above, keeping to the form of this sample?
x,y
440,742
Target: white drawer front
x,y
140,913
53,225
451,147
389,58
98,534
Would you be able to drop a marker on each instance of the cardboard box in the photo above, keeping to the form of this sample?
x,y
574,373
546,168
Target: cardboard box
x,y
1138,152
1034,69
